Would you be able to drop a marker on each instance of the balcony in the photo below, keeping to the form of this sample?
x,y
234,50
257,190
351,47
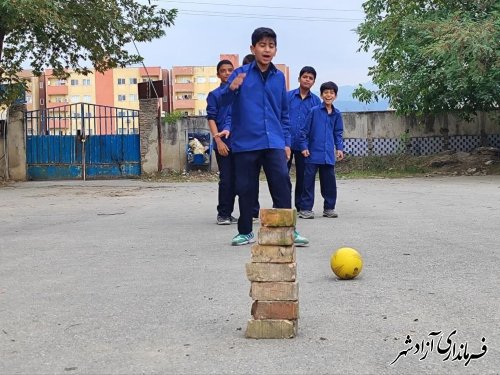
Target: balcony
x,y
181,87
184,104
57,90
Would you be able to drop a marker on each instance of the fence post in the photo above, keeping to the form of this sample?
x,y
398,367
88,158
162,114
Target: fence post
x,y
149,136
16,143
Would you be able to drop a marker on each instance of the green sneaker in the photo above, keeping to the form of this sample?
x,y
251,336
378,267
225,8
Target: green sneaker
x,y
298,240
243,239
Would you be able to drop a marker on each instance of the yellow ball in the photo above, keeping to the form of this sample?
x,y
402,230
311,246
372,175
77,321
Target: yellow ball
x,y
346,263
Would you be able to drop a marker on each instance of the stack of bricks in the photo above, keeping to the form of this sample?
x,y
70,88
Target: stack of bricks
x,y
273,272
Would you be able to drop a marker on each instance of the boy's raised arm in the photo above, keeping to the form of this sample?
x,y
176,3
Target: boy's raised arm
x,y
230,91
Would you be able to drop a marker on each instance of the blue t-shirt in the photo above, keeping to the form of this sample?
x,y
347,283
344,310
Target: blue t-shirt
x,y
259,110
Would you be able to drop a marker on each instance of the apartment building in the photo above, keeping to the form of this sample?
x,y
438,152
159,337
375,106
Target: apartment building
x,y
191,85
185,88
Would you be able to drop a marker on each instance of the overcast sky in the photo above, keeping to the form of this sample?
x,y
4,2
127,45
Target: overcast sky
x,y
319,33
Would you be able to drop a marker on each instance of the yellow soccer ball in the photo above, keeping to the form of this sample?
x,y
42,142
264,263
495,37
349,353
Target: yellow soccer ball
x,y
346,263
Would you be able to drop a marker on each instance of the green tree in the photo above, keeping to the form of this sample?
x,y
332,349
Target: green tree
x,y
433,56
70,34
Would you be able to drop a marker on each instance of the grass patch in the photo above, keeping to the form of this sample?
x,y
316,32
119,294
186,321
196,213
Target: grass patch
x,y
389,166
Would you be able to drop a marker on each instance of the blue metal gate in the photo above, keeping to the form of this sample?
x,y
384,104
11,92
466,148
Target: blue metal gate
x,y
81,141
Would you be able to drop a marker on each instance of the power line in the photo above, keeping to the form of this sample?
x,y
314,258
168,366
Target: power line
x,y
193,12
264,6
267,17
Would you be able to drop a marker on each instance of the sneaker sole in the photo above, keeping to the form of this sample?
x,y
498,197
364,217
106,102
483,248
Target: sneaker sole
x,y
242,243
306,217
301,244
223,223
331,216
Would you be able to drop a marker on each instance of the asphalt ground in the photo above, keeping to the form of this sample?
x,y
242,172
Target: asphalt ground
x,y
131,277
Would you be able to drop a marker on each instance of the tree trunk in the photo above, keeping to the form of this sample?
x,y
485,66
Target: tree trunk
x,y
2,37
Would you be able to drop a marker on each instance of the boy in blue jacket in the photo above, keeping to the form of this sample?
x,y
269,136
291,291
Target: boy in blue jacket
x,y
219,118
300,101
260,132
322,143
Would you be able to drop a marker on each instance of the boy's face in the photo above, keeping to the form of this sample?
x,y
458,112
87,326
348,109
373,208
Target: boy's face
x,y
224,72
264,51
306,81
328,96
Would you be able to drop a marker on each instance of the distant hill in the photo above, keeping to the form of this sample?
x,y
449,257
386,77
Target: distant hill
x,y
346,103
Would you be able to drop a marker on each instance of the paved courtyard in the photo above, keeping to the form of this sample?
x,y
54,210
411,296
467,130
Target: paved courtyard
x,y
128,277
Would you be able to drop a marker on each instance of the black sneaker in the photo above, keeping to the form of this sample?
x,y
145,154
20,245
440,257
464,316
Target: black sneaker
x,y
223,220
233,220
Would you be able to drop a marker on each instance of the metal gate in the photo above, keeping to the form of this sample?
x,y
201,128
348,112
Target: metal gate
x,y
81,141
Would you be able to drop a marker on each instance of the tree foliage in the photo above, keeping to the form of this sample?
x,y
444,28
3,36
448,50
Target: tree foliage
x,y
433,56
72,34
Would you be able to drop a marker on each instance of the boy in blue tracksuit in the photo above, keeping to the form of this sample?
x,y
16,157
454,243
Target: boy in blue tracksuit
x,y
219,118
300,101
260,132
321,143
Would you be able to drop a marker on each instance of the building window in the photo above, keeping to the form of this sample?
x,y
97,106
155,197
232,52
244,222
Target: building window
x,y
132,97
165,99
132,81
87,98
74,82
86,82
75,98
29,99
120,113
202,96
122,98
213,80
121,81
201,80
182,79
42,102
165,82
41,85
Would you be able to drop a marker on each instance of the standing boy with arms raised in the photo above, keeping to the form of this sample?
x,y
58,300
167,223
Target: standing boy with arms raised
x,y
322,142
300,101
219,118
260,131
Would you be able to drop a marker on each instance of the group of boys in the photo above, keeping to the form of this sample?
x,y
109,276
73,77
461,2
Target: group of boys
x,y
256,124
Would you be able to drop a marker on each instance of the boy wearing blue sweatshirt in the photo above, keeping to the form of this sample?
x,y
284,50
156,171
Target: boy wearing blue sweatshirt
x,y
300,101
219,118
260,132
322,143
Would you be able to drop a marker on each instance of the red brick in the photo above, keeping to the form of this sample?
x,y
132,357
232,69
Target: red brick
x,y
275,310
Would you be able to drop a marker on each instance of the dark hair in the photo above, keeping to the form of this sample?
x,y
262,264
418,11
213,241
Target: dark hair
x,y
261,33
223,62
308,69
329,86
248,59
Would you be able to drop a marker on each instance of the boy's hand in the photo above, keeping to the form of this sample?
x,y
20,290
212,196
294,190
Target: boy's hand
x,y
224,133
340,154
288,152
237,82
221,147
306,153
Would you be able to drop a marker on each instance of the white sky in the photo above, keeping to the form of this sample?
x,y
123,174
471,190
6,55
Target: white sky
x,y
314,32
